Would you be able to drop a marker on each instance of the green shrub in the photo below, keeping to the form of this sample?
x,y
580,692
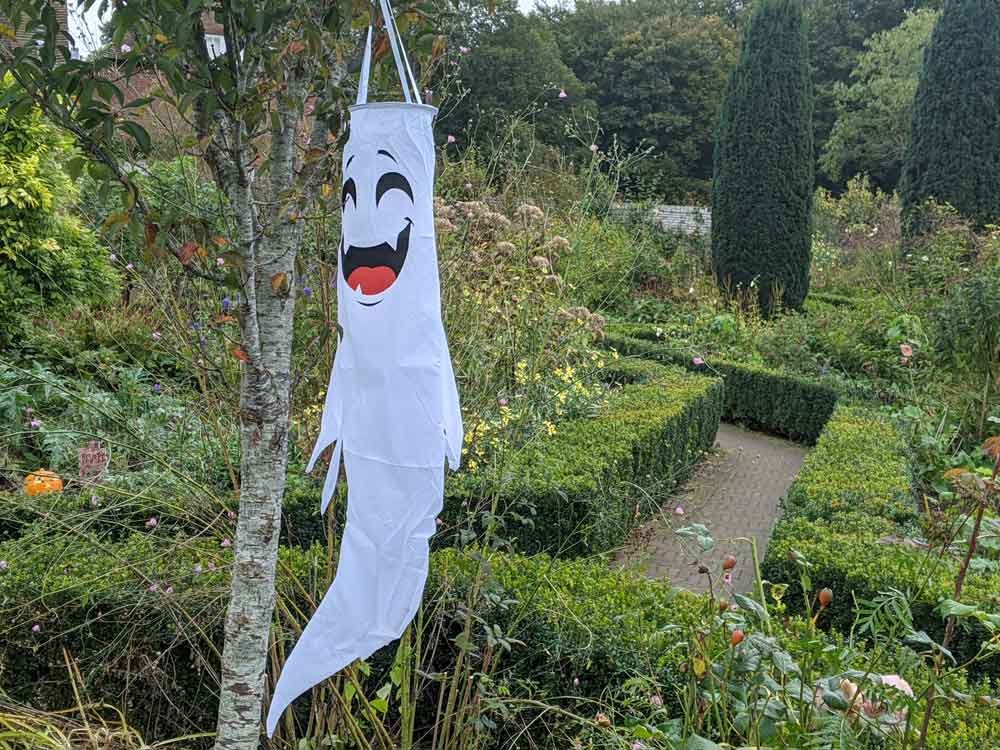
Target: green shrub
x,y
757,396
48,260
578,491
763,186
954,141
851,515
579,620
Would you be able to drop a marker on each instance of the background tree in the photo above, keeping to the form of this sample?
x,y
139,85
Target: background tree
x,y
265,118
954,151
874,112
661,89
763,185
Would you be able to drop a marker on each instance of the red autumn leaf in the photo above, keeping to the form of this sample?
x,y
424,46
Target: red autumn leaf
x,y
187,252
241,355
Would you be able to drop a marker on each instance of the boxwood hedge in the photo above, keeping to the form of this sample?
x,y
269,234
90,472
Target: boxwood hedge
x,y
759,397
851,514
580,490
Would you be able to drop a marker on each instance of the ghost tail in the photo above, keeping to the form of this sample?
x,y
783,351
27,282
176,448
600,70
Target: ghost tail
x,y
380,574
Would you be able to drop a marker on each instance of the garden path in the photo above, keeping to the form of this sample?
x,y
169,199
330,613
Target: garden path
x,y
735,493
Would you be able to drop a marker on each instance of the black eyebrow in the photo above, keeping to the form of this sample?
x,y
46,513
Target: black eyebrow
x,y
349,190
383,152
392,181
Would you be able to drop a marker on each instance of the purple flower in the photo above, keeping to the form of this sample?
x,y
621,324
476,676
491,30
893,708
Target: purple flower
x,y
231,515
157,335
679,510
157,388
151,523
226,304
154,587
36,628
35,423
638,746
129,267
503,402
220,262
227,543
197,568
728,579
3,565
307,291
563,94
126,48
464,50
698,361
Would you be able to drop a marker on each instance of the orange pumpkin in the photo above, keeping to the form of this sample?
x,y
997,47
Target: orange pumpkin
x,y
42,482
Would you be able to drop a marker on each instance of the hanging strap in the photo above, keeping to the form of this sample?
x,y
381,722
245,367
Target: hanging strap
x,y
411,91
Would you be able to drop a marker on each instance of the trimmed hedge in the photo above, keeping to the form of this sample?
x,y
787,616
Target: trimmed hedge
x,y
848,512
759,397
580,490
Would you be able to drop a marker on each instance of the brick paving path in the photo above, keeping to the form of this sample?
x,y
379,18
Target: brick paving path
x,y
735,493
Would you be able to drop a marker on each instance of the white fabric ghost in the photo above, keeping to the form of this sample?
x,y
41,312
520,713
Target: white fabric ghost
x,y
392,404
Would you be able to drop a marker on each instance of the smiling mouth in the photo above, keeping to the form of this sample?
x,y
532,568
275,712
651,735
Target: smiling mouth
x,y
372,270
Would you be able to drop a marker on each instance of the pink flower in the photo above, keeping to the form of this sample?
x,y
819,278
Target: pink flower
x,y
220,262
231,515
154,587
36,628
464,50
126,48
168,590
35,423
227,543
95,501
728,579
451,139
655,700
593,147
503,402
152,522
211,567
906,350
698,361
679,510
894,680
129,267
638,746
157,335
3,565
563,94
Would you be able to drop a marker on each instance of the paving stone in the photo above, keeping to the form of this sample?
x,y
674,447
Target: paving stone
x,y
735,493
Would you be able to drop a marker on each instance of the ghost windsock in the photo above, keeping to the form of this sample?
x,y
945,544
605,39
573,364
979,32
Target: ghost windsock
x,y
392,404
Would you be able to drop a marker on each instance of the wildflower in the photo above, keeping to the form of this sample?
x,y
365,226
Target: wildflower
x,y
226,543
656,700
468,186
563,94
168,590
541,263
502,402
698,361
211,567
220,262
197,569
464,50
157,335
126,48
151,523
894,680
906,350
154,587
549,427
576,682
307,291
3,565
529,212
36,628
112,257
557,244
129,267
593,148
451,139
728,579
679,510
638,745
94,501
231,515
157,388
226,304
35,423
691,290
924,258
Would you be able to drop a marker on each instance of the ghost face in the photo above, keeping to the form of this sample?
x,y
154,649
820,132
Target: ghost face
x,y
378,212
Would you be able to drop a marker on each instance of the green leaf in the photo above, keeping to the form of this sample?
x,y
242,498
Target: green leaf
x,y
696,742
138,134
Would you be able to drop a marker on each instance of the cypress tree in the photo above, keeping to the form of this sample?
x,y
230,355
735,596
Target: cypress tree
x,y
763,183
953,155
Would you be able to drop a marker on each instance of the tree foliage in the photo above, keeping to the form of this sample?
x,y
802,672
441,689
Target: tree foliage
x,y
875,110
763,185
953,154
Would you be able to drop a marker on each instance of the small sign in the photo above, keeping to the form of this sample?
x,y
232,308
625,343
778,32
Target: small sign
x,y
94,460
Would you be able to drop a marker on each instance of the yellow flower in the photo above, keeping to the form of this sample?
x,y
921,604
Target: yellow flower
x,y
549,427
473,465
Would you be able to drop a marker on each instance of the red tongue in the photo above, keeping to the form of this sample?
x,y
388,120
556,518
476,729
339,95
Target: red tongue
x,y
371,280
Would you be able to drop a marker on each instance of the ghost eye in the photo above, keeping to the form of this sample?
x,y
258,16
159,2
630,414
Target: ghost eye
x,y
350,190
392,181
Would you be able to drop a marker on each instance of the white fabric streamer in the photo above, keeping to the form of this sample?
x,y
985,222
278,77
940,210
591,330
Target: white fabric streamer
x,y
392,404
